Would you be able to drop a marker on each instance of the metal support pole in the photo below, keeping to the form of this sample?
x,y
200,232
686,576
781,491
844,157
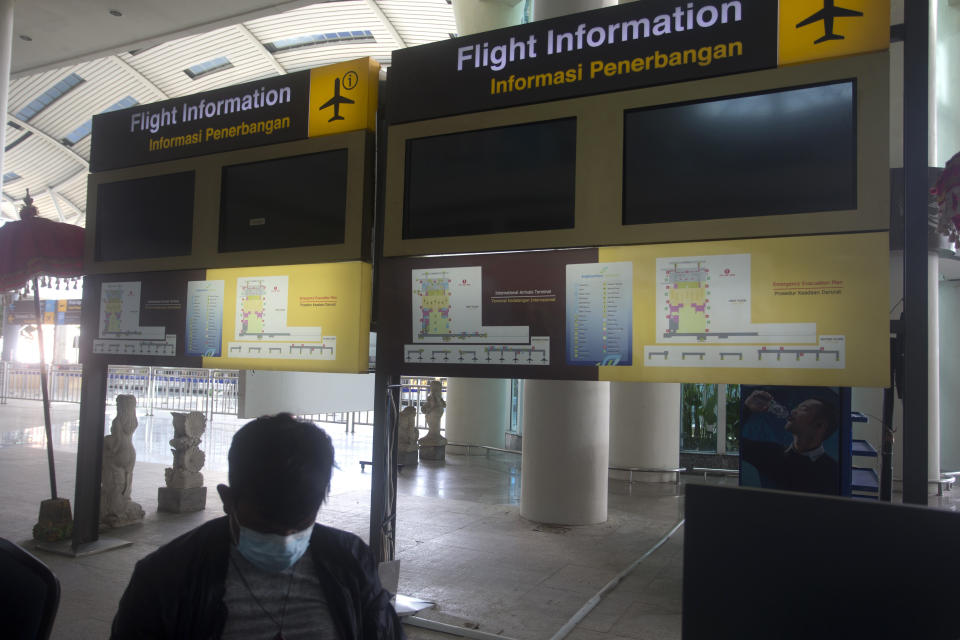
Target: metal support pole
x,y
383,484
150,381
915,294
93,400
44,393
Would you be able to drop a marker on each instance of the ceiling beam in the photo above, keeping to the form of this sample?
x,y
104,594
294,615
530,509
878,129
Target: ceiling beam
x,y
50,140
126,67
372,4
58,198
56,205
261,50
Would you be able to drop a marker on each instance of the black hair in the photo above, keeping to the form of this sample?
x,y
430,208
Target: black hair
x,y
827,411
281,466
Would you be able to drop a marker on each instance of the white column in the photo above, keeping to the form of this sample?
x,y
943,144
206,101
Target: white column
x,y
644,428
478,411
474,16
6,53
566,451
933,366
546,9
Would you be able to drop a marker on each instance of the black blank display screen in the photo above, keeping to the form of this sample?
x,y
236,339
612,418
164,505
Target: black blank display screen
x,y
501,180
145,218
296,201
790,151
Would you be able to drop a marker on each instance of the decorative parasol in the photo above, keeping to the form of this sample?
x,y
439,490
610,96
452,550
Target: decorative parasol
x,y
31,248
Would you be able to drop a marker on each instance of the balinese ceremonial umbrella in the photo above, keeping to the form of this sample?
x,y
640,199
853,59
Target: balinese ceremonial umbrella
x,y
30,248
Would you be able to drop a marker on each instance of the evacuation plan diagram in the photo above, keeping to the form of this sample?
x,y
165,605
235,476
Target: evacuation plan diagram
x,y
120,330
261,329
447,324
704,320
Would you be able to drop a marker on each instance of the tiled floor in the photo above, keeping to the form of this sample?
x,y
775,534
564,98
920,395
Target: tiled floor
x,y
461,540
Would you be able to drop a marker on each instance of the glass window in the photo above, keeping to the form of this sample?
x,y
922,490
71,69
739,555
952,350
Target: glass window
x,y
203,68
698,415
516,392
709,425
733,417
296,42
47,97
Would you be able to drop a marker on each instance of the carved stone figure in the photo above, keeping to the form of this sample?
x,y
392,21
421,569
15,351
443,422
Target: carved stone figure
x,y
119,457
185,491
433,445
407,436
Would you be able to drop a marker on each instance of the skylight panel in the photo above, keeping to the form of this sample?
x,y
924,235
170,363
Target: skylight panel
x,y
10,176
296,42
83,130
210,66
46,98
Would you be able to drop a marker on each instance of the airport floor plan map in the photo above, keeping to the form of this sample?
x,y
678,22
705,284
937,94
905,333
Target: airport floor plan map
x,y
261,328
120,331
704,320
448,326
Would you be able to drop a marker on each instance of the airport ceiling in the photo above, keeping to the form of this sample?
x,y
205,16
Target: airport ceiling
x,y
76,58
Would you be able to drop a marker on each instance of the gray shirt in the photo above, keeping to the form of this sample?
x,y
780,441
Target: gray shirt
x,y
307,614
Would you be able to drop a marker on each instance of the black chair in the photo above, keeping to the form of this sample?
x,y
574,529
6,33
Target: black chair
x,y
29,594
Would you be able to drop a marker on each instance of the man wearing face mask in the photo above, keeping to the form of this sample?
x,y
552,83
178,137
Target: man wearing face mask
x,y
266,570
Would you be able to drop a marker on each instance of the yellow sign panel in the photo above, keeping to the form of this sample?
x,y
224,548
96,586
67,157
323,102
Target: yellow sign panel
x,y
312,317
809,310
818,29
343,97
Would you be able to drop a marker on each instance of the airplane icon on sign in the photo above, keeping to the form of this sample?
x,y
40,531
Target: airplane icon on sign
x,y
336,101
827,15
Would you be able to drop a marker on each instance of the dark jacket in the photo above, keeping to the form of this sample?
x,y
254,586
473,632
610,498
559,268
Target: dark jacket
x,y
177,591
791,471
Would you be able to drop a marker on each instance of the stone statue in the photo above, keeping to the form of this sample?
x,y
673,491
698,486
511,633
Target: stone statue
x,y
432,445
119,456
185,491
407,436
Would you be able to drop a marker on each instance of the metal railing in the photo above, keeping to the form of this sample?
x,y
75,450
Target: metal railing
x,y
210,391
414,393
21,381
4,376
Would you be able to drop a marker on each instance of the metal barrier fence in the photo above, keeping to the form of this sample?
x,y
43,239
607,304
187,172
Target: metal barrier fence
x,y
130,381
23,381
4,382
211,391
65,380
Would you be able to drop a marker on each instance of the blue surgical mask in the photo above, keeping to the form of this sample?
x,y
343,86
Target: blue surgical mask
x,y
273,552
